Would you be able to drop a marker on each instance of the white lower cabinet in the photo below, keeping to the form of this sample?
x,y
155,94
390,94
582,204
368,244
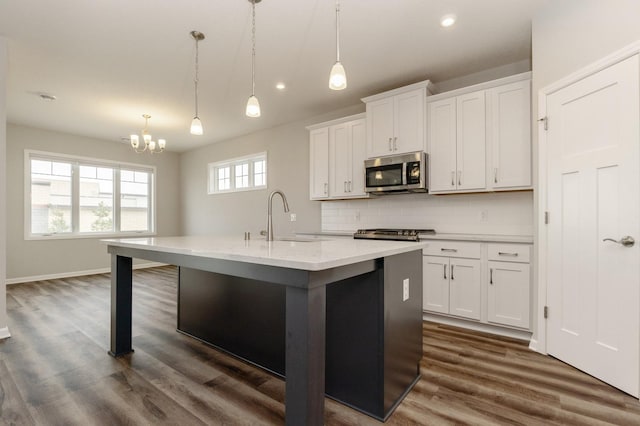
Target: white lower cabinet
x,y
452,285
508,292
485,282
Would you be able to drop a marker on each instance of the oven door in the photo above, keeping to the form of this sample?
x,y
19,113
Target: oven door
x,y
388,177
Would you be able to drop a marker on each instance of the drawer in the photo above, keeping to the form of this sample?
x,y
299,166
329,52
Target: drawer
x,y
452,249
509,252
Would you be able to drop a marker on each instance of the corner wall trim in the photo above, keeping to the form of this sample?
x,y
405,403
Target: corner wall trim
x,y
4,333
75,274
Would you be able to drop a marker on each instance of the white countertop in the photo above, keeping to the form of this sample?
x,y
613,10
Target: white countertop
x,y
315,254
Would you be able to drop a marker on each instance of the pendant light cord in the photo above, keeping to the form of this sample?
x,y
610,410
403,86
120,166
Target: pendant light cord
x,y
253,49
337,31
195,80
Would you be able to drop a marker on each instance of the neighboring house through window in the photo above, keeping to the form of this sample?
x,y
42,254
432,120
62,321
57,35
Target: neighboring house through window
x,y
72,197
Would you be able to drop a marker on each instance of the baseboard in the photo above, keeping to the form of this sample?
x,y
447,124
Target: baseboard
x,y
477,326
77,273
4,333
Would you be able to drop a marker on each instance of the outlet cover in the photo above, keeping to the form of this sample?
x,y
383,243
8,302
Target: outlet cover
x,y
405,289
293,217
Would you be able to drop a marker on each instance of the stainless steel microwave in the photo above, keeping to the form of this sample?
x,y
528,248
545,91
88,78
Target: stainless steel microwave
x,y
396,174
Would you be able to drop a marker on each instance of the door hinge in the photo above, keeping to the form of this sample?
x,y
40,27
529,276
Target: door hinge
x,y
546,218
545,121
546,312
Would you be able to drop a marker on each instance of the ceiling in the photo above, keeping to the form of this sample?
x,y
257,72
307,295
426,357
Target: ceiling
x,y
110,61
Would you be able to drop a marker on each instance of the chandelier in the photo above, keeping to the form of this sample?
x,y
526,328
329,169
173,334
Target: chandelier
x,y
149,144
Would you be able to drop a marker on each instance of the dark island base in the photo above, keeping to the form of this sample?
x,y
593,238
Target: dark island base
x,y
373,338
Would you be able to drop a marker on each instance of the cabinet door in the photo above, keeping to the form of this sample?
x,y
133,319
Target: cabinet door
x,y
464,288
380,127
510,133
508,293
409,119
435,294
319,164
471,139
340,160
442,145
358,134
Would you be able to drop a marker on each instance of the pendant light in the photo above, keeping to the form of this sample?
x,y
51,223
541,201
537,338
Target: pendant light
x,y
337,78
253,106
196,124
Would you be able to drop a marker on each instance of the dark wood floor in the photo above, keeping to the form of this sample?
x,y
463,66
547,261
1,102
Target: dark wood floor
x,y
55,370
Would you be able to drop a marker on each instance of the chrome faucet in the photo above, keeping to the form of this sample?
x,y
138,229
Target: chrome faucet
x,y
269,210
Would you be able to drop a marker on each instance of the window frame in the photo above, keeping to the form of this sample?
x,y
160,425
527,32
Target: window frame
x,y
76,162
212,174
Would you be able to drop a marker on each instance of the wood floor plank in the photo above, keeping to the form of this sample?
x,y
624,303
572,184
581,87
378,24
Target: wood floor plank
x,y
55,370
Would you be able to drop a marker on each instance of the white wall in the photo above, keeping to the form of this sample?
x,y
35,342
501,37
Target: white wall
x,y
36,258
508,213
287,148
567,35
4,331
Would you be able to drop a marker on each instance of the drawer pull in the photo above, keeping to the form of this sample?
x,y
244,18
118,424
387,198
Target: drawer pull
x,y
491,276
449,250
504,253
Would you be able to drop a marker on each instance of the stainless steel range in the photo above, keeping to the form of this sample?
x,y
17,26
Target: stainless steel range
x,y
392,234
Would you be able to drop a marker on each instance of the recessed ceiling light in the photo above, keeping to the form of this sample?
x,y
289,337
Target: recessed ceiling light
x,y
448,20
280,86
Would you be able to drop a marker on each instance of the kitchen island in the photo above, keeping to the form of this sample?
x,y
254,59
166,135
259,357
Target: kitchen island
x,y
387,273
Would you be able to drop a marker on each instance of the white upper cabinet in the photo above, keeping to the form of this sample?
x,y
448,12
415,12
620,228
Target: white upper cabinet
x,y
480,140
510,135
319,163
396,120
337,154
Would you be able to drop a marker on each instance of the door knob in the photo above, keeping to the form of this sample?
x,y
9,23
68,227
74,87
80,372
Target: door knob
x,y
626,241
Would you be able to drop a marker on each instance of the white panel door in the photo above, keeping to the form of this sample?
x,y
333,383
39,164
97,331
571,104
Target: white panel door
x,y
593,194
340,160
358,136
464,288
471,138
409,121
380,127
435,294
319,163
442,145
510,129
508,293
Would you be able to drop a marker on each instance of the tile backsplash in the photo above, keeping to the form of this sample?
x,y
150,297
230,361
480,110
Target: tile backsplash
x,y
504,213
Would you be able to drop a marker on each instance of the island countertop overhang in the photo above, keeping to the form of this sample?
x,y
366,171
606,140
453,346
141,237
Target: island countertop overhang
x,y
316,255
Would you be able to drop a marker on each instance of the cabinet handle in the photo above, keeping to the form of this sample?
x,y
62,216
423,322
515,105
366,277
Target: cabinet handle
x,y
491,276
452,278
350,186
503,253
495,175
344,186
459,177
453,177
395,143
449,250
444,271
390,146
326,188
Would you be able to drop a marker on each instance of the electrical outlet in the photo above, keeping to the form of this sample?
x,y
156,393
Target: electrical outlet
x,y
293,217
405,289
357,216
484,215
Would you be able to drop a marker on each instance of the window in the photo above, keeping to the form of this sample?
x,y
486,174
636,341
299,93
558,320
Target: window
x,y
238,174
71,197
